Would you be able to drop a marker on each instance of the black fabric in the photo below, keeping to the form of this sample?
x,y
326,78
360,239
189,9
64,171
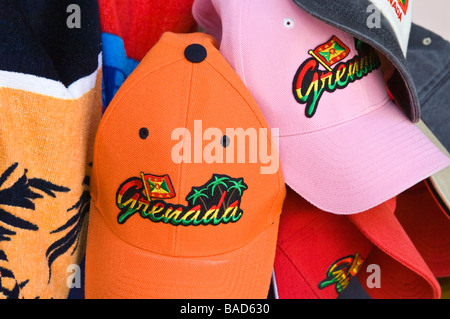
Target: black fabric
x,y
351,17
36,40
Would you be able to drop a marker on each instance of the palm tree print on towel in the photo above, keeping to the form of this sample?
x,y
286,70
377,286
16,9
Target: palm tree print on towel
x,y
74,224
21,194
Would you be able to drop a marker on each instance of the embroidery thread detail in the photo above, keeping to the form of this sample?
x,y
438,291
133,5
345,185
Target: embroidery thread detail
x,y
216,202
310,82
341,271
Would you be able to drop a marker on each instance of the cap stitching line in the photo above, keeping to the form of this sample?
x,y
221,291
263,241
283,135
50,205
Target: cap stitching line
x,y
302,274
368,111
436,248
262,125
409,288
244,98
429,88
171,256
437,72
434,188
177,235
110,110
241,56
315,220
375,202
414,267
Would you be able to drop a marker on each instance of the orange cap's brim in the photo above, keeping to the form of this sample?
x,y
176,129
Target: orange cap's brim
x,y
117,270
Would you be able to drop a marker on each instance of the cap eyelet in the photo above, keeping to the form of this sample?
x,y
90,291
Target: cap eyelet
x,y
225,141
143,133
288,23
426,41
195,53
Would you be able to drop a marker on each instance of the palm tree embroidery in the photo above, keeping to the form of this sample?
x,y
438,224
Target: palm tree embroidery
x,y
236,185
20,194
198,193
217,182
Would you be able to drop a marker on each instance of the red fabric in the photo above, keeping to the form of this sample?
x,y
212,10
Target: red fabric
x,y
428,226
404,273
310,241
140,23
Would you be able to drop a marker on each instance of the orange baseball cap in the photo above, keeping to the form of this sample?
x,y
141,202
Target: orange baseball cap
x,y
170,218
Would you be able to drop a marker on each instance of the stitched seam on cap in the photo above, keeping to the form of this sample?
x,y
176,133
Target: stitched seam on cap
x,y
181,181
241,55
270,141
340,122
436,81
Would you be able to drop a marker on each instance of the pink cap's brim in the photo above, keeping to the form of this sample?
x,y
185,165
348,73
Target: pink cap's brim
x,y
357,165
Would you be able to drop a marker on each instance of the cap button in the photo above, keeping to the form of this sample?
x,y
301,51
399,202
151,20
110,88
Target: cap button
x,y
426,41
195,53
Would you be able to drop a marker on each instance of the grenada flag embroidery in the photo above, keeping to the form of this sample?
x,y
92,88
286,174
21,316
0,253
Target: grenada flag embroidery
x,y
330,52
310,81
157,186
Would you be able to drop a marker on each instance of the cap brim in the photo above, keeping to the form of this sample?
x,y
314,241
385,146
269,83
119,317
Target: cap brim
x,y
351,17
116,270
355,166
403,272
424,219
441,180
441,184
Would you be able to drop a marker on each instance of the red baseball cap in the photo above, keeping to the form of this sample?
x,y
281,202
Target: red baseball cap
x,y
312,247
404,273
426,219
319,253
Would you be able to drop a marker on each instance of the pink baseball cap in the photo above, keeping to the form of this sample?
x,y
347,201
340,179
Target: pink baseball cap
x,y
344,145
